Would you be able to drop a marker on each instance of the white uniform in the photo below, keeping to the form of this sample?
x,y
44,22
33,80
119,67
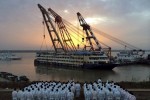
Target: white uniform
x,y
85,93
109,95
73,89
77,89
117,95
19,94
38,95
90,86
99,81
29,96
47,92
133,97
101,95
22,96
42,93
95,85
94,95
45,95
88,95
14,95
35,94
61,94
57,95
51,95
70,96
65,93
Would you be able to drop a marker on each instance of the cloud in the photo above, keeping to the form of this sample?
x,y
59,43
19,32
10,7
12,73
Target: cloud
x,y
122,18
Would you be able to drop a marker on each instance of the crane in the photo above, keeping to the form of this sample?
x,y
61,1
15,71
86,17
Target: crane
x,y
66,38
62,41
88,31
56,41
90,36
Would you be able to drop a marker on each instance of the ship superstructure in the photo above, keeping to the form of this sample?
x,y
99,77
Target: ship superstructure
x,y
65,53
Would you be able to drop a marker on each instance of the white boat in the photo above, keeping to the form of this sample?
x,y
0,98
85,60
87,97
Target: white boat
x,y
128,56
9,56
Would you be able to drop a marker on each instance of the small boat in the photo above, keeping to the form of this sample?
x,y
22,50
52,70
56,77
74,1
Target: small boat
x,y
9,56
14,78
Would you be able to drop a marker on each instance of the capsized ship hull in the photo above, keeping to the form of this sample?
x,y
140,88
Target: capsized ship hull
x,y
109,66
75,60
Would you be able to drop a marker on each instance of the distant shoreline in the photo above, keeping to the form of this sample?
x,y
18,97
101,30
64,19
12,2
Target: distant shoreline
x,y
32,51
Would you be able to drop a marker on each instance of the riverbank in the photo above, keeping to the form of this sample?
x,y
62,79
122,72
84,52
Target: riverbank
x,y
3,80
126,85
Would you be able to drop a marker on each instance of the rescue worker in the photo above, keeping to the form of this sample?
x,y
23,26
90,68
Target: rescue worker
x,y
19,94
77,89
94,94
14,94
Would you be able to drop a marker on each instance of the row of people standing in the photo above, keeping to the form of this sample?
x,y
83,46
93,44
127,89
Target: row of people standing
x,y
52,90
48,91
105,91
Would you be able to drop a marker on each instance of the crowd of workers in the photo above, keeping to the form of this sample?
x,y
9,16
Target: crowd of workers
x,y
105,91
70,90
48,91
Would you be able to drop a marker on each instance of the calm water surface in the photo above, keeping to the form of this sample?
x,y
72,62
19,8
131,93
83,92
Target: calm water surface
x,y
26,67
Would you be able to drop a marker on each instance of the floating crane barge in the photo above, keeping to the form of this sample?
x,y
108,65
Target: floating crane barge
x,y
65,53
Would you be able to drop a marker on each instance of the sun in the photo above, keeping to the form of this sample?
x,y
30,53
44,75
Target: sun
x,y
66,11
95,20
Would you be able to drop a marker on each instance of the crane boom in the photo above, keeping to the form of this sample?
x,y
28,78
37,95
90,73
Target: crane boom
x,y
56,41
66,38
89,33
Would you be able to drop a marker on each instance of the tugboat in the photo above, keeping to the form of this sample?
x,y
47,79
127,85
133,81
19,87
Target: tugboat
x,y
65,53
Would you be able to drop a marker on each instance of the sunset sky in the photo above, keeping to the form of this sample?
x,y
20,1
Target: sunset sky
x,y
21,20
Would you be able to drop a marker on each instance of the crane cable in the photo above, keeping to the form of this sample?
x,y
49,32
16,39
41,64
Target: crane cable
x,y
111,38
43,41
78,32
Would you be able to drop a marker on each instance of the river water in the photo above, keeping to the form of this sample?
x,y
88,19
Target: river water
x,y
25,66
